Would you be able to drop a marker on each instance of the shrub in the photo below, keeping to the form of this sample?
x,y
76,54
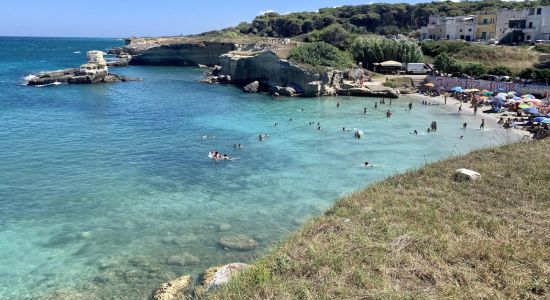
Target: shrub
x,y
542,48
500,71
334,34
320,54
474,69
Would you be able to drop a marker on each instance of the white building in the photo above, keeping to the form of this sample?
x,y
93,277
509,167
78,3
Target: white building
x,y
450,28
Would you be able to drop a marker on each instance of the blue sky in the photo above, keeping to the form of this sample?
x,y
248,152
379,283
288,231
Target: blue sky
x,y
123,18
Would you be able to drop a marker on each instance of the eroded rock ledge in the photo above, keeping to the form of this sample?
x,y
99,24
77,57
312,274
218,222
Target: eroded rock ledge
x,y
95,70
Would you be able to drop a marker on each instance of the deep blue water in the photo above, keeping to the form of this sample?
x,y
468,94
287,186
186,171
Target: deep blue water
x,y
101,184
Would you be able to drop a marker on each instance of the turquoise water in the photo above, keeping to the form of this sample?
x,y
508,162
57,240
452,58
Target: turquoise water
x,y
100,185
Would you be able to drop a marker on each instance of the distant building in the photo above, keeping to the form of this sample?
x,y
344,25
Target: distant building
x,y
506,25
486,27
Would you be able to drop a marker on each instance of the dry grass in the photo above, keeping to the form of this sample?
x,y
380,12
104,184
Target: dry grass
x,y
515,58
423,235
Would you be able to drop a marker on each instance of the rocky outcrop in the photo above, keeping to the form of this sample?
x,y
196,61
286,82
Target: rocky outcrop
x,y
95,70
238,242
252,87
265,67
173,289
176,52
217,276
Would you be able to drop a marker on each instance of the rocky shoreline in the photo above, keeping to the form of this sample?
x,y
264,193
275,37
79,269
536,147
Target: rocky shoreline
x,y
256,67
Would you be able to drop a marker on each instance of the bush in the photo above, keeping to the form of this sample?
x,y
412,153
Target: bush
x,y
376,49
334,34
320,54
474,69
542,48
500,71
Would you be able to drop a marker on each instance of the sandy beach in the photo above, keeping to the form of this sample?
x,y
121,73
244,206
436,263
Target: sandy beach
x,y
491,120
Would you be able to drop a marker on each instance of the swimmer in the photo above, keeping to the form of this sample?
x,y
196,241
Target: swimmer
x,y
302,109
461,137
318,127
240,146
261,138
234,145
338,104
290,120
414,132
366,164
276,124
388,114
464,125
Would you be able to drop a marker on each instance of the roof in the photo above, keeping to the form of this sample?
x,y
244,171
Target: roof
x,y
391,63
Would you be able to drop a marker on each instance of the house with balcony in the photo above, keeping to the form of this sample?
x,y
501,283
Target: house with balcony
x,y
524,25
486,27
450,28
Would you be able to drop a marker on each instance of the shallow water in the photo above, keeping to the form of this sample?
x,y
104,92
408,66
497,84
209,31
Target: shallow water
x,y
100,185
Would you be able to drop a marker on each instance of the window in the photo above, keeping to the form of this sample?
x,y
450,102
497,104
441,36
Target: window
x,y
530,24
528,37
539,11
469,29
531,11
485,21
447,36
460,30
462,37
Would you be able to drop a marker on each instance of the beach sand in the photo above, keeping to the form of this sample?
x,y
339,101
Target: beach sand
x,y
474,121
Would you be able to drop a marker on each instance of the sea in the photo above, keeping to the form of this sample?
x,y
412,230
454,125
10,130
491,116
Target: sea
x,y
107,190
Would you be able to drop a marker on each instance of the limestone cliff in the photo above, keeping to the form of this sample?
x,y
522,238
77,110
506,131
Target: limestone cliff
x,y
176,52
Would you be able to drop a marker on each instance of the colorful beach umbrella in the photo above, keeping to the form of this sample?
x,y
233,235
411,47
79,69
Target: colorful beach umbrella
x,y
486,93
546,121
457,89
540,119
531,110
528,96
524,106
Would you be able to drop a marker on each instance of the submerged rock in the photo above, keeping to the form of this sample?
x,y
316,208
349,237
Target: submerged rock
x,y
238,242
217,276
182,260
285,91
173,289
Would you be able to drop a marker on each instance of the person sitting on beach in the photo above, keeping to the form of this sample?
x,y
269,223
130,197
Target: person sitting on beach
x,y
501,120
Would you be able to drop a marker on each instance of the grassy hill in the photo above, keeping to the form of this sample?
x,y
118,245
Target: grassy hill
x,y
423,235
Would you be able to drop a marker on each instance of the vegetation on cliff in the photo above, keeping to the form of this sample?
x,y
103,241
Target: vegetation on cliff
x,y
422,235
380,18
320,54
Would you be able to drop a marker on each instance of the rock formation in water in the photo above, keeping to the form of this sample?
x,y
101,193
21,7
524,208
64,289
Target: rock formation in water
x,y
95,70
176,51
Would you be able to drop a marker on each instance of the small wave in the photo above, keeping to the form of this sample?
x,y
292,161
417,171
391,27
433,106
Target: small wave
x,y
49,84
29,77
77,52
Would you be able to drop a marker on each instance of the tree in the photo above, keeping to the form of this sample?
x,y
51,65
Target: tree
x,y
377,49
320,54
474,69
444,63
500,71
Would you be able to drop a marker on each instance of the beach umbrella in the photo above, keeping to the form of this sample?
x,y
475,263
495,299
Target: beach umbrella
x,y
546,121
500,97
523,106
528,96
517,98
531,110
512,93
430,85
539,119
486,93
457,89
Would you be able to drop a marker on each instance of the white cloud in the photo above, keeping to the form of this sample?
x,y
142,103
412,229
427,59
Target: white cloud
x,y
266,12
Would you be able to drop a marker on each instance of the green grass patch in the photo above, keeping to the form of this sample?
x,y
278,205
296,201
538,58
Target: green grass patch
x,y
422,235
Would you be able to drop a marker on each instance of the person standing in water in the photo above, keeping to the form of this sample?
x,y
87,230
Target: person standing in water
x,y
460,109
388,114
475,109
390,102
410,105
464,125
338,104
445,98
375,104
482,126
365,110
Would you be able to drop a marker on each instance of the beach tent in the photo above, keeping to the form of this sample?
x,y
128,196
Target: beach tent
x,y
531,110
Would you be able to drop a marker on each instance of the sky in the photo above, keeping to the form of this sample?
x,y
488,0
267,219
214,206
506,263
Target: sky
x,y
125,18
